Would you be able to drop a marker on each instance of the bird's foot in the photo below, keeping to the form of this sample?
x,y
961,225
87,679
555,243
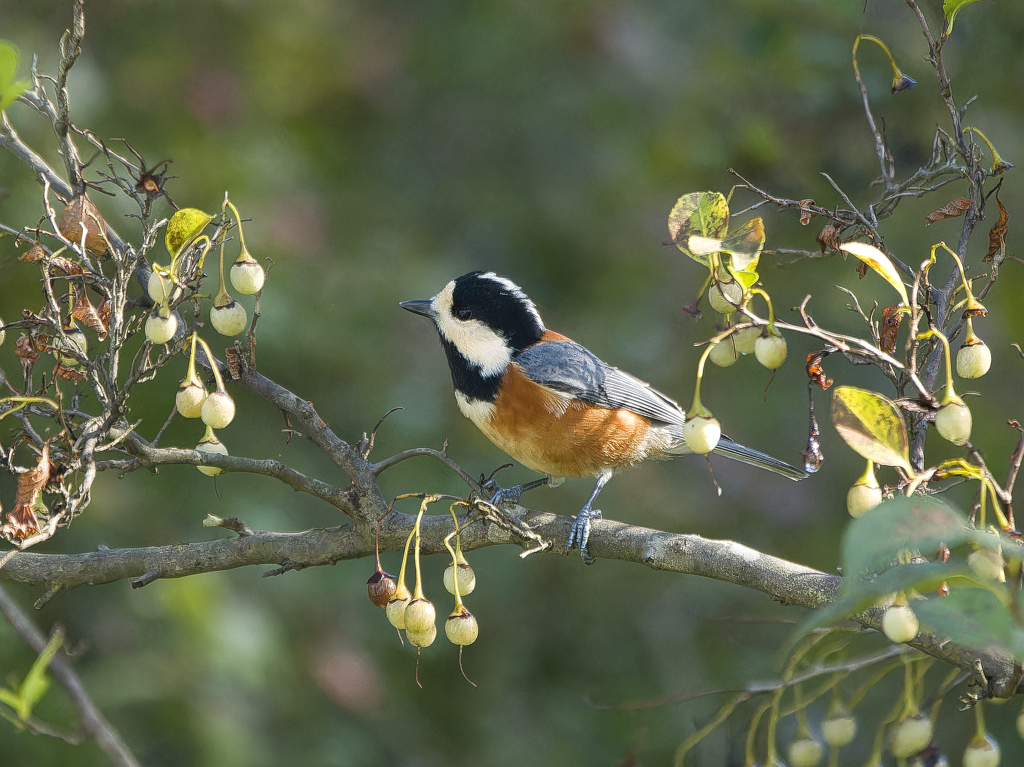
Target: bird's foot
x,y
503,495
579,533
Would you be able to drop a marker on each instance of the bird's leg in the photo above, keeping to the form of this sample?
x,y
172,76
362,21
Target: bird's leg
x,y
580,530
514,493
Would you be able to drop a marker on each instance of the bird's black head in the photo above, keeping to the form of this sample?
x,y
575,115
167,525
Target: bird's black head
x,y
498,304
482,320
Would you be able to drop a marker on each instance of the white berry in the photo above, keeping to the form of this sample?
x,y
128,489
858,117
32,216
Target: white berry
x,y
900,624
228,319
770,350
911,735
953,422
218,410
702,434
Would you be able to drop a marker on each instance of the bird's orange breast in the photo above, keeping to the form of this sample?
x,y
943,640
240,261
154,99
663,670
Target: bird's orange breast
x,y
561,436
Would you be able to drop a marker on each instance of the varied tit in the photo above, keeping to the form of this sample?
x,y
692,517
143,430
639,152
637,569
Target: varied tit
x,y
549,402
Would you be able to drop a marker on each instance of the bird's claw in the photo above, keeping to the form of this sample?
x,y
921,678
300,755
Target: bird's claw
x,y
579,533
503,494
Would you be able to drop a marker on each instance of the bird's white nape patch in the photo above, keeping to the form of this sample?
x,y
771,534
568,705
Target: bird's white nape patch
x,y
476,410
479,344
516,291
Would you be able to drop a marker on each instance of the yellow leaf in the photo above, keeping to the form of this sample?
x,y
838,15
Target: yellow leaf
x,y
872,426
744,245
184,227
880,262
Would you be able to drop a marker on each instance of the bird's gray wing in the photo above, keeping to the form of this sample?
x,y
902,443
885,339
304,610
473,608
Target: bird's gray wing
x,y
572,370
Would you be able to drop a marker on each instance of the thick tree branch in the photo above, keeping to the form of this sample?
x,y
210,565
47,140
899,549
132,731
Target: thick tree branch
x,y
728,561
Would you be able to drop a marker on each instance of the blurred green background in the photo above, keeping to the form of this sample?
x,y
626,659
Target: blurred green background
x,y
382,149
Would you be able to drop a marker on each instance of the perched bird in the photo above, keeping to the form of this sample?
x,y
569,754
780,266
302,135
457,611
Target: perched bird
x,y
549,402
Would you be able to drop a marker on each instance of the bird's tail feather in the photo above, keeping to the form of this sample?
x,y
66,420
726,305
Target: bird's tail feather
x,y
748,455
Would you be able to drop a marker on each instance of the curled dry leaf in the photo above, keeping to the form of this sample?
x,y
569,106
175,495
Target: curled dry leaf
x,y
891,319
22,520
81,213
87,314
104,311
805,211
66,265
33,254
25,349
816,372
68,374
829,237
997,234
952,209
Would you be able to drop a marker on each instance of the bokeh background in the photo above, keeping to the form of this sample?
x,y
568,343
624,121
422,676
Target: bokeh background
x,y
380,150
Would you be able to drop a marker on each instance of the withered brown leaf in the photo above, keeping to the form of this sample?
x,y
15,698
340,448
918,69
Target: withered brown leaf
x,y
21,523
33,254
86,313
82,213
22,520
24,348
805,211
68,374
891,319
951,209
66,265
104,311
997,234
862,269
829,237
816,372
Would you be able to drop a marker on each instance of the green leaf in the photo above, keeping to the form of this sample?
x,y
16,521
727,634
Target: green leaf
x,y
872,426
950,8
875,541
36,681
746,279
184,227
974,618
698,214
10,88
919,523
880,262
858,593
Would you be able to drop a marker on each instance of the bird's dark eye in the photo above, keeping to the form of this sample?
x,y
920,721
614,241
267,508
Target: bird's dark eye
x,y
464,313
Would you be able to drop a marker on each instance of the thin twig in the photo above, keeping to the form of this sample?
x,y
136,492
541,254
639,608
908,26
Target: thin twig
x,y
93,721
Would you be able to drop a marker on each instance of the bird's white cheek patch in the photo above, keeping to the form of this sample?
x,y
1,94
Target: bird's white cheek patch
x,y
476,410
479,344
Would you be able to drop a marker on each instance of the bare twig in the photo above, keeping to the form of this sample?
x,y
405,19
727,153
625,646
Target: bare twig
x,y
92,719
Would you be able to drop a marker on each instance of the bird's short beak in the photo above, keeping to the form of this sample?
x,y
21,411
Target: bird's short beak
x,y
420,306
